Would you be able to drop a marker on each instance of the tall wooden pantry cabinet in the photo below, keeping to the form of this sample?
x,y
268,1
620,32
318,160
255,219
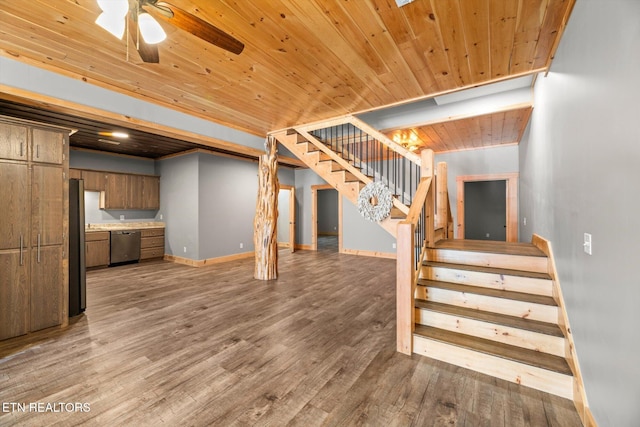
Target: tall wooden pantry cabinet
x,y
34,226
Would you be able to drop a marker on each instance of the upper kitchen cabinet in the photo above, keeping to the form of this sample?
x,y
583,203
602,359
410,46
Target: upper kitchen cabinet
x,y
151,192
115,195
47,146
13,141
94,180
130,191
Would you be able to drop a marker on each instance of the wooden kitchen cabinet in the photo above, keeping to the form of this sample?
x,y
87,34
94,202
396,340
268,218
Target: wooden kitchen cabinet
x,y
97,249
151,192
47,146
75,174
46,205
94,180
135,191
32,200
14,199
151,243
45,292
130,191
13,141
115,194
14,293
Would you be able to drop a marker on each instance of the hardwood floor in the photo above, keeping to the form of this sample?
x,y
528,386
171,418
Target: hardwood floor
x,y
168,344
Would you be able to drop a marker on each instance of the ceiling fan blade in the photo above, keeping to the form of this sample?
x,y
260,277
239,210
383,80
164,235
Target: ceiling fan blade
x,y
148,52
196,26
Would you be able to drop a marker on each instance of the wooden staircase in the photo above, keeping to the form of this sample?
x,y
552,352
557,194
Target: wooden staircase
x,y
336,169
489,307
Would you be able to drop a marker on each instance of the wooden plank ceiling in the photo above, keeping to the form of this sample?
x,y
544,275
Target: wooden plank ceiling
x,y
303,61
486,130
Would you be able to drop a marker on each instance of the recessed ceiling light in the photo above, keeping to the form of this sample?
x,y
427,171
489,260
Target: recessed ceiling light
x,y
114,134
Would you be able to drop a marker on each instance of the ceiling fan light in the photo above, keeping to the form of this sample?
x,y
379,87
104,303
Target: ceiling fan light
x,y
118,8
150,30
112,23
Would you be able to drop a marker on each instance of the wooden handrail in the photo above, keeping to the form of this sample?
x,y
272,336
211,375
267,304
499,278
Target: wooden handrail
x,y
366,129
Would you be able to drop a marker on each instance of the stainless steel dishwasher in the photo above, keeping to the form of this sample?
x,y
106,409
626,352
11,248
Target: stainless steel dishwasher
x,y
125,246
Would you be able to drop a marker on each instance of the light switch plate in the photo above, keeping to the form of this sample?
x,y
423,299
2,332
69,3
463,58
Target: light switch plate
x,y
587,243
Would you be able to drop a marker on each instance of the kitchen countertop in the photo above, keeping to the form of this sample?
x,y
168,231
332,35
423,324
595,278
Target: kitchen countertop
x,y
122,226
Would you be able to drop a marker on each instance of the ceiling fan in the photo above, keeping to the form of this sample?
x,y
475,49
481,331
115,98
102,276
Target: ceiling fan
x,y
147,32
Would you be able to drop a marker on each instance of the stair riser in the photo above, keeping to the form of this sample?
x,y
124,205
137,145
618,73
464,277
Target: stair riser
x,y
526,310
491,331
488,280
519,373
512,262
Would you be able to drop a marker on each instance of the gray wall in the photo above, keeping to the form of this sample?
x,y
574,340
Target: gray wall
x,y
179,205
580,174
208,203
111,162
360,234
328,212
476,162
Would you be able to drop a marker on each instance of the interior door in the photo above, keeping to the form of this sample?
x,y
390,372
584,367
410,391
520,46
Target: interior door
x,y
485,210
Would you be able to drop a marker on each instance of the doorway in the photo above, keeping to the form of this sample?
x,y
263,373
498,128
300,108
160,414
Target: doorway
x,y
488,204
485,210
326,218
287,217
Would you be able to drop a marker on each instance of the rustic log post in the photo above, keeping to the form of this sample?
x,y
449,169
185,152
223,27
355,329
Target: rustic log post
x,y
265,224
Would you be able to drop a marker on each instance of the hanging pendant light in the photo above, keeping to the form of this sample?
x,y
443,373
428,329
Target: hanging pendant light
x,y
150,30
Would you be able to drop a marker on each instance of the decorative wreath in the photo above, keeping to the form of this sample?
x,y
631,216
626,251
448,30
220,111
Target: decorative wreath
x,y
375,201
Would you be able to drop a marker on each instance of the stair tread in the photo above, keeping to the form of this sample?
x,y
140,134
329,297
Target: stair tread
x,y
505,351
496,293
496,318
491,246
491,270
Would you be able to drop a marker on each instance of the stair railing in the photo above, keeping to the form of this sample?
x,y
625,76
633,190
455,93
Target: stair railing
x,y
428,221
371,152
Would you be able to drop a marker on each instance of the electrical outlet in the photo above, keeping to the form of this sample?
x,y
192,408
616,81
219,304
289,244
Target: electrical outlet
x,y
393,245
488,235
121,217
160,216
524,221
185,249
241,245
587,243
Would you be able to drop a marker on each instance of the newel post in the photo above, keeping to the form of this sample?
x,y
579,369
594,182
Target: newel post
x,y
265,223
405,305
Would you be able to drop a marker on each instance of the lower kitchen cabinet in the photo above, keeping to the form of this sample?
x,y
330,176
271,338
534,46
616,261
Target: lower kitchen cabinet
x,y
96,249
152,243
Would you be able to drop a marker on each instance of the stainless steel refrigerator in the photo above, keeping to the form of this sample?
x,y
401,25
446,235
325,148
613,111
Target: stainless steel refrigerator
x,y
77,273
